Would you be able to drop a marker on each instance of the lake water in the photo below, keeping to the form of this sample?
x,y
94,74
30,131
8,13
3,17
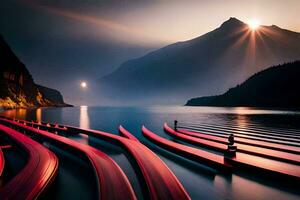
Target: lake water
x,y
199,181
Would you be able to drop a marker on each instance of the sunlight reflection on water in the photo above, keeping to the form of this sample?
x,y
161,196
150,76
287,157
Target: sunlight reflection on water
x,y
84,117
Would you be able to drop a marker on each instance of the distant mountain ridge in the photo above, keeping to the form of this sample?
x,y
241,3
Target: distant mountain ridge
x,y
206,65
274,87
17,88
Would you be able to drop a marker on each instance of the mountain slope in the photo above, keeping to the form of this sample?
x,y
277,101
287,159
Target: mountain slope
x,y
17,88
274,87
205,65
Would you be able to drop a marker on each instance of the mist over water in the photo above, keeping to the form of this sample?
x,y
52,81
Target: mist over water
x,y
199,181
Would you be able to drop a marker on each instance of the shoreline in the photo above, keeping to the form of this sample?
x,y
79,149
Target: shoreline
x,y
3,108
247,106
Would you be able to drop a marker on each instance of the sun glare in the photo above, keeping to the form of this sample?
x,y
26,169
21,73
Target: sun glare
x,y
253,24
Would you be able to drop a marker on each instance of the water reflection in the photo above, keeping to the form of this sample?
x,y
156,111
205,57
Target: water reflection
x,y
39,115
15,113
241,121
196,179
84,121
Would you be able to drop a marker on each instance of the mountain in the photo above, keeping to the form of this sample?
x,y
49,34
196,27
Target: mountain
x,y
206,65
274,87
17,88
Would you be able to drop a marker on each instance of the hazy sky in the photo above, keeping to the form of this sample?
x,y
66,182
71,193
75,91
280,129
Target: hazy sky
x,y
65,41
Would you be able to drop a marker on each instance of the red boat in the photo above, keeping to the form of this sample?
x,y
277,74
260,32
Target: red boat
x,y
203,157
249,149
244,131
161,182
44,126
127,134
160,176
242,160
2,161
112,182
39,171
253,142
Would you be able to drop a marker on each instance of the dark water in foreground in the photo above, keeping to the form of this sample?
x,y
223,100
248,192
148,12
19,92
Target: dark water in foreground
x,y
200,182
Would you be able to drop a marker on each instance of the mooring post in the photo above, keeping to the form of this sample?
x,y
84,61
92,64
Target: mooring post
x,y
175,125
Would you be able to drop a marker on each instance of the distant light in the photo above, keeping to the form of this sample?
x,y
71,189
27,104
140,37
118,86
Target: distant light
x,y
83,84
253,24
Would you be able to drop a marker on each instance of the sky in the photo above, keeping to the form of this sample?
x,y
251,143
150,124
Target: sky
x,y
63,42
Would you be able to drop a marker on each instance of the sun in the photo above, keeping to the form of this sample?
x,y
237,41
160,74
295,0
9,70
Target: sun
x,y
253,24
83,84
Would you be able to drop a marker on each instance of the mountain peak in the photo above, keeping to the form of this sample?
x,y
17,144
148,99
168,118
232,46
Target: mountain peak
x,y
224,53
232,22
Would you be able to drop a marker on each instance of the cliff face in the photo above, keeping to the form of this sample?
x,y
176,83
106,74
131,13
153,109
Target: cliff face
x,y
51,96
274,87
17,88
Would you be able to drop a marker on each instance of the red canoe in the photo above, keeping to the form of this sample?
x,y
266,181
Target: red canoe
x,y
278,140
203,157
249,149
186,135
2,162
39,171
161,182
272,167
43,126
259,132
127,134
162,172
112,182
197,141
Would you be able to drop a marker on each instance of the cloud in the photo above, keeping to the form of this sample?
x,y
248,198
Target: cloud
x,y
84,12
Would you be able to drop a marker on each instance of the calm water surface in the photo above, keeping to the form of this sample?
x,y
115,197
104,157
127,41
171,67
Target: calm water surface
x,y
199,181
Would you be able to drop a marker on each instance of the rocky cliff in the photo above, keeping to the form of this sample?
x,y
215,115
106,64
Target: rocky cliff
x,y
17,87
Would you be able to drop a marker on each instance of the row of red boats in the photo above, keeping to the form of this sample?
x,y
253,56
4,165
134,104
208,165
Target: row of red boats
x,y
41,166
